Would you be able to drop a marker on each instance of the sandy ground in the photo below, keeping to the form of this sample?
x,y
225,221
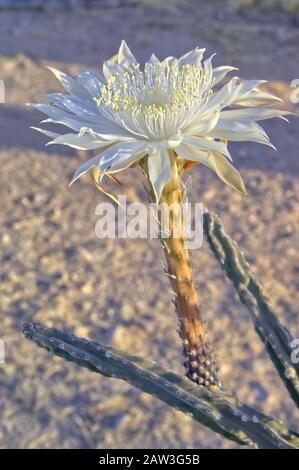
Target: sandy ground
x,y
54,270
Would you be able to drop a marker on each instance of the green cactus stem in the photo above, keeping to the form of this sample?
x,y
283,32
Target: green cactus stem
x,y
218,411
276,337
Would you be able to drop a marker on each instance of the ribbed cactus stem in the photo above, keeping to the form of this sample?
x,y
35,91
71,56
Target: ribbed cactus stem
x,y
277,338
219,411
199,360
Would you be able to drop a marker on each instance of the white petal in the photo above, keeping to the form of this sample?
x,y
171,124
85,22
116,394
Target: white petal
x,y
91,82
50,134
220,72
243,90
192,57
220,98
232,92
209,68
159,169
58,116
206,145
105,128
125,58
168,61
216,162
80,142
203,124
67,122
84,109
111,68
50,110
120,156
69,84
241,131
153,60
108,131
174,141
246,86
237,126
193,154
85,167
258,98
256,114
227,172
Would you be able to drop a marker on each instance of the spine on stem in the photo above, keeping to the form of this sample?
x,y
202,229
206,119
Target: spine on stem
x,y
199,360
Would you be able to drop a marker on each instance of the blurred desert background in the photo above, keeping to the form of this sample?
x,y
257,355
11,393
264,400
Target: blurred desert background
x,y
56,271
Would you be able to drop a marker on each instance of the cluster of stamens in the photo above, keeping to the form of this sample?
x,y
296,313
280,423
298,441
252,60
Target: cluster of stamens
x,y
157,101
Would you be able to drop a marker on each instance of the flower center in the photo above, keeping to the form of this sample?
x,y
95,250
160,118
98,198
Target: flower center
x,y
157,102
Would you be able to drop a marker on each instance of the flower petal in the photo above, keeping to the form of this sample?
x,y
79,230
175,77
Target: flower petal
x,y
247,86
159,170
192,57
58,116
111,68
203,125
220,72
232,92
120,156
85,167
228,173
217,162
91,82
258,98
168,61
125,58
84,109
208,68
50,134
69,84
175,140
240,131
80,142
105,128
194,155
220,98
206,145
153,60
256,114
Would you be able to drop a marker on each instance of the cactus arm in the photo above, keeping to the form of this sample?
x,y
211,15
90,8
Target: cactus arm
x,y
277,338
217,411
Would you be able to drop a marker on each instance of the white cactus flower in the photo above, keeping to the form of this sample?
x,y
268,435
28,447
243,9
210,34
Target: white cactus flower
x,y
179,105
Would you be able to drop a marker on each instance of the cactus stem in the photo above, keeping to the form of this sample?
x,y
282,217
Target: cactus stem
x,y
192,329
275,336
217,410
